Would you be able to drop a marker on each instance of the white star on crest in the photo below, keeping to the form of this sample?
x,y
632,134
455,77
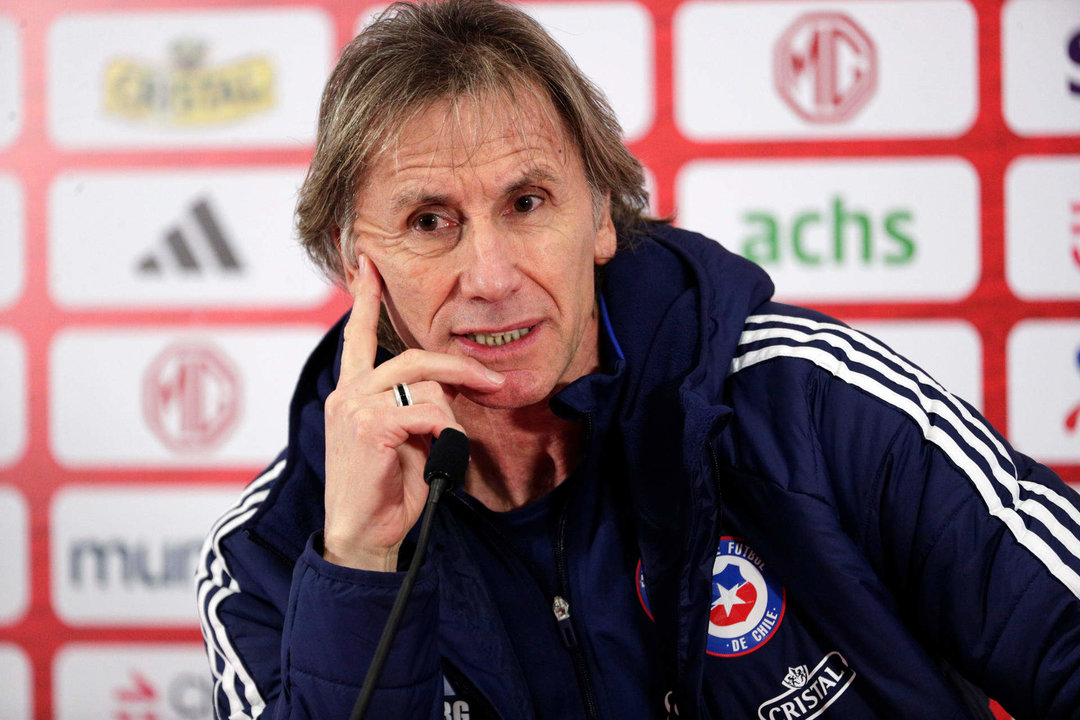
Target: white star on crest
x,y
728,598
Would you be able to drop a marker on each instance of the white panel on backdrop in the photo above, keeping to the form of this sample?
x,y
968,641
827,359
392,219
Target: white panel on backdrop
x,y
849,230
11,79
13,398
612,43
651,188
1044,389
137,681
950,351
774,68
127,554
1040,59
15,559
12,238
187,78
1042,227
215,237
16,684
173,397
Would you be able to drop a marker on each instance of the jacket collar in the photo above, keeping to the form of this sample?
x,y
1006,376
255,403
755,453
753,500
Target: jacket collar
x,y
678,306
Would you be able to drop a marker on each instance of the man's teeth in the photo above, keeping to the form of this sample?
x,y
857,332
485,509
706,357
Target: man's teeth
x,y
496,339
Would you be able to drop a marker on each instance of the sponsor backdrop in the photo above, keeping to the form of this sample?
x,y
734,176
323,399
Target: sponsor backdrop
x,y
911,166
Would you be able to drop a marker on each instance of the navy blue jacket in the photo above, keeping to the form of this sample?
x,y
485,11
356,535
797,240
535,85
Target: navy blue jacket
x,y
823,531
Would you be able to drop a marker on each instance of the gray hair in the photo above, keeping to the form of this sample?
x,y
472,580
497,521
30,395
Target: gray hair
x,y
414,55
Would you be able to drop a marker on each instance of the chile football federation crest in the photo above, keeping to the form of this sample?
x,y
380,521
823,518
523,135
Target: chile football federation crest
x,y
747,606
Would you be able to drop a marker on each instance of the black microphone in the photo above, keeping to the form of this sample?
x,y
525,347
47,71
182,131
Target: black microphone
x,y
445,467
449,458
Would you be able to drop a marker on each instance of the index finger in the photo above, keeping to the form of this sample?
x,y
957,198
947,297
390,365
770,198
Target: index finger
x,y
361,330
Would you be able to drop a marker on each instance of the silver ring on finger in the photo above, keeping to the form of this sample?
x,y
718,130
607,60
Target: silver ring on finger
x,y
402,396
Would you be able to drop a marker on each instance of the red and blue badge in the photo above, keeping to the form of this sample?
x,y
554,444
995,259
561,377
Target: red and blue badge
x,y
747,606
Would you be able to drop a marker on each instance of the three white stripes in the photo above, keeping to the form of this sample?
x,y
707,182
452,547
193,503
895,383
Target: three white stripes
x,y
981,441
213,577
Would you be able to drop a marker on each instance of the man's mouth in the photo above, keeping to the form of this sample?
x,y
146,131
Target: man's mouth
x,y
499,338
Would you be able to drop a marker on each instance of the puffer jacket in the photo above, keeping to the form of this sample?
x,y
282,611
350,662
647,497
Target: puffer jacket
x,y
822,531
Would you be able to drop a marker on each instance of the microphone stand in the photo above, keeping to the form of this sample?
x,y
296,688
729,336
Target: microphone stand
x,y
445,465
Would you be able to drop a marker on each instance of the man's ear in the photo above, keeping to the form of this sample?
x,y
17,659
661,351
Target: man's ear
x,y
347,255
604,248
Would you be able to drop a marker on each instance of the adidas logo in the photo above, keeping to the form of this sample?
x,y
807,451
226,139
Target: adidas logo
x,y
211,248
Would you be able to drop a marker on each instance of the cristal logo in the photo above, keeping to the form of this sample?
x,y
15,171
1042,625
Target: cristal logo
x,y
185,696
187,92
825,67
839,235
809,691
796,677
191,397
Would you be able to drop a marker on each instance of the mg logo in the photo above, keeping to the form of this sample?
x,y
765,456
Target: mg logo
x,y
191,397
825,67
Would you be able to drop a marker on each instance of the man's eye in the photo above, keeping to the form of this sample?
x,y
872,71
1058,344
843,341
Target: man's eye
x,y
428,222
527,203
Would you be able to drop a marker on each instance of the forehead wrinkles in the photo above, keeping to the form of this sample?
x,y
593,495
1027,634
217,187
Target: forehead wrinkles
x,y
472,130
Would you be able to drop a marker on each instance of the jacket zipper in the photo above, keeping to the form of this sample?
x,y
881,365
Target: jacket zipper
x,y
560,603
561,607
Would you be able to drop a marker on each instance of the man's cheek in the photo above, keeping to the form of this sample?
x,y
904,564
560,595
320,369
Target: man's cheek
x,y
405,316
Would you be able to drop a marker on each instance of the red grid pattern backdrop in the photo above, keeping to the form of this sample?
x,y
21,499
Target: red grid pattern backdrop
x,y
911,165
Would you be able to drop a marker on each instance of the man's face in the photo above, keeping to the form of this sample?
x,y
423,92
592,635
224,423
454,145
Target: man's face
x,y
484,230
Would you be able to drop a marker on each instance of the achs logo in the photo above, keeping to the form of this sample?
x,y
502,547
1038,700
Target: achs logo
x,y
825,67
184,696
838,235
191,397
180,248
809,692
186,91
746,606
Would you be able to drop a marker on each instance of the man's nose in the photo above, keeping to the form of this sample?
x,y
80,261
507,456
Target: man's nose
x,y
490,261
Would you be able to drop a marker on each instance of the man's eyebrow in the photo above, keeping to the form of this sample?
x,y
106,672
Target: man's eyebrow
x,y
533,176
417,198
412,198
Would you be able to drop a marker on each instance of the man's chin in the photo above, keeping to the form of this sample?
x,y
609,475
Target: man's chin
x,y
514,394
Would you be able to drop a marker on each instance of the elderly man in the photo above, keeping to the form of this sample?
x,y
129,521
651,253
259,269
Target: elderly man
x,y
683,499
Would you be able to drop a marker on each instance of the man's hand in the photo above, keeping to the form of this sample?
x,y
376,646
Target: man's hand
x,y
375,450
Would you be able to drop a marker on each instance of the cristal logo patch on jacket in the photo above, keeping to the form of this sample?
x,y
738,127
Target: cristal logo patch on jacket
x,y
747,607
809,692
